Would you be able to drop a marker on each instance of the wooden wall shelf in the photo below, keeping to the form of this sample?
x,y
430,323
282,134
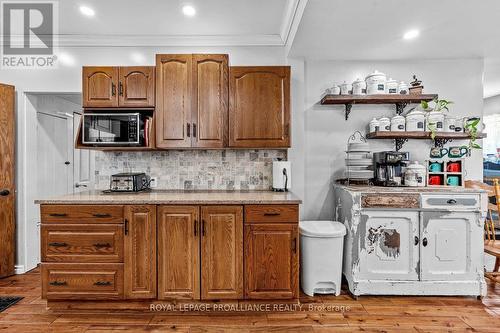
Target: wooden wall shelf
x,y
402,137
401,101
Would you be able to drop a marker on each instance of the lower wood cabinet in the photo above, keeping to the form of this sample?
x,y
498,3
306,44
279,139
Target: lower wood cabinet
x,y
140,251
271,261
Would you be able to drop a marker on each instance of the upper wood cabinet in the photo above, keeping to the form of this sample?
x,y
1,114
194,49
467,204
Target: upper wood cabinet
x,y
259,107
140,251
192,100
114,87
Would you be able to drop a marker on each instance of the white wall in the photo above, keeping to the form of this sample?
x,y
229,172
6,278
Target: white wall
x,y
492,105
326,132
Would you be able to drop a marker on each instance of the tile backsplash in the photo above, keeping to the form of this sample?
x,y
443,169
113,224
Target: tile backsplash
x,y
193,169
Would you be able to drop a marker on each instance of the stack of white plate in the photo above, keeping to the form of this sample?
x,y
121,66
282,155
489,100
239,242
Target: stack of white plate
x,y
359,161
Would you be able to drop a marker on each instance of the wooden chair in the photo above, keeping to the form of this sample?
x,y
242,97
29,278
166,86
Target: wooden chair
x,y
491,244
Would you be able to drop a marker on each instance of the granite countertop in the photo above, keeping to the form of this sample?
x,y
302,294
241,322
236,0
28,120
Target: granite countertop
x,y
176,197
427,190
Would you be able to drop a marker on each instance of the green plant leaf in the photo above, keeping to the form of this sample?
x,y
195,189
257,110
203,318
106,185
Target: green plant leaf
x,y
424,105
476,146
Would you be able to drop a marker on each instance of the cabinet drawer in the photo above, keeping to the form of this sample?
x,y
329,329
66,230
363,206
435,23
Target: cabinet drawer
x,y
82,281
82,243
271,213
451,201
81,214
378,200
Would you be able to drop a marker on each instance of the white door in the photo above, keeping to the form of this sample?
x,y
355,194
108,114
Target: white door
x,y
448,246
84,162
388,248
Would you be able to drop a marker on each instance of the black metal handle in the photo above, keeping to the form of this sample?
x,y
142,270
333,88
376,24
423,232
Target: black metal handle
x,y
424,241
57,283
451,202
101,215
125,226
272,214
294,245
58,244
102,245
113,89
58,214
120,89
194,130
4,193
102,283
188,130
195,228
67,162
203,229
416,240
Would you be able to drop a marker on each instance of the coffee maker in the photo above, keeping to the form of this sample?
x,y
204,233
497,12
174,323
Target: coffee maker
x,y
389,167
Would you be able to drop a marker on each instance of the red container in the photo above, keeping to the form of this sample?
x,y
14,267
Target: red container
x,y
454,167
435,180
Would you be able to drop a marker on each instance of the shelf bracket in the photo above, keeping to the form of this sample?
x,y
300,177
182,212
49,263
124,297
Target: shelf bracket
x,y
348,108
400,107
440,142
400,142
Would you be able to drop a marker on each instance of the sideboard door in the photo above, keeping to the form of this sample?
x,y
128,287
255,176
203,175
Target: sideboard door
x,y
451,246
388,245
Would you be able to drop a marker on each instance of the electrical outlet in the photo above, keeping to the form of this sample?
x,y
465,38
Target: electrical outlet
x,y
154,182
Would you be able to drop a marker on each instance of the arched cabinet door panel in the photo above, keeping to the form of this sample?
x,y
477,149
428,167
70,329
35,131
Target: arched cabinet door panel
x,y
137,86
100,87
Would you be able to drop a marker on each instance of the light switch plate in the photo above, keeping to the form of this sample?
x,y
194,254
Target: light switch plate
x,y
154,182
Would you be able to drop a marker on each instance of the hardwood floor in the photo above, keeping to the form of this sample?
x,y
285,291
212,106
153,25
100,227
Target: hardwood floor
x,y
320,314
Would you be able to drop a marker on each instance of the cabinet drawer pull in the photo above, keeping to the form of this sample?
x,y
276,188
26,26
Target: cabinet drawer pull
x,y
101,245
195,228
451,202
57,283
294,245
424,241
102,283
120,89
194,130
125,226
188,130
272,214
416,240
101,216
203,229
113,89
58,214
57,244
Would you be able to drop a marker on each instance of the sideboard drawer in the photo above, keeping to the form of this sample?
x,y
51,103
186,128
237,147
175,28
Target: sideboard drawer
x,y
271,213
81,214
82,243
385,200
451,201
82,281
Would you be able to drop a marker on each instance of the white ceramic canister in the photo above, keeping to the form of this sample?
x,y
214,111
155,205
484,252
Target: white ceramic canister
x,y
398,124
359,87
415,174
449,124
403,88
335,90
375,83
391,86
374,125
415,121
345,88
436,118
385,124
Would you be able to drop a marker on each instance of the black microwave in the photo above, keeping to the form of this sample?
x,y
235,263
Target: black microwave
x,y
112,129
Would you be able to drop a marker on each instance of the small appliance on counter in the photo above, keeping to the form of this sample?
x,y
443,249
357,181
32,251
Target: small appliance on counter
x,y
129,182
389,167
281,175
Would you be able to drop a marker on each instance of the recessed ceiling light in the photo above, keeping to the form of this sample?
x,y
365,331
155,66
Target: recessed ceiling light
x,y
138,58
411,34
87,11
188,10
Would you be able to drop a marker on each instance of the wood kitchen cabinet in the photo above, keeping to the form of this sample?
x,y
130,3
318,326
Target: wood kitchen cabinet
x,y
140,251
192,100
115,87
259,107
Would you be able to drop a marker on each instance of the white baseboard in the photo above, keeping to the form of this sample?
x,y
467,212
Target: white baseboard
x,y
19,269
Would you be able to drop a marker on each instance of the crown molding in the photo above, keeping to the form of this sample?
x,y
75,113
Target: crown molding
x,y
291,22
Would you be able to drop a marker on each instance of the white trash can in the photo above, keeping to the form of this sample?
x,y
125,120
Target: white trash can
x,y
321,248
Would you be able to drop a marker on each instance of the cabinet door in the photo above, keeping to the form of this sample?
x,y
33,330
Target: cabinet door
x,y
451,246
222,252
178,252
388,245
137,87
99,87
173,100
271,261
140,251
210,102
259,107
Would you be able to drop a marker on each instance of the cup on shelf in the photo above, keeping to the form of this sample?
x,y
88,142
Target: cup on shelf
x,y
453,181
438,152
454,167
435,180
436,167
455,152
